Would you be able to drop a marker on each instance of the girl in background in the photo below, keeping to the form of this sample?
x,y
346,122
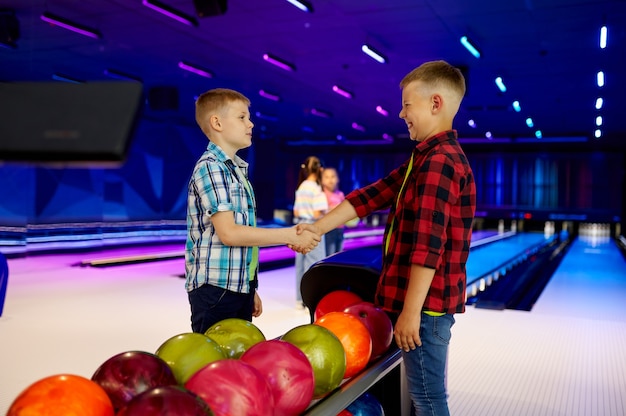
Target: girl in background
x,y
310,204
330,182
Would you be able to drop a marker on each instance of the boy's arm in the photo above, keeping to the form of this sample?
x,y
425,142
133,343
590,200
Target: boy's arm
x,y
337,216
407,328
233,234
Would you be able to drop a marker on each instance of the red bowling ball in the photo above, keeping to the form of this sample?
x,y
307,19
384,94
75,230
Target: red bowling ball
x,y
377,322
128,374
166,401
336,301
233,387
288,372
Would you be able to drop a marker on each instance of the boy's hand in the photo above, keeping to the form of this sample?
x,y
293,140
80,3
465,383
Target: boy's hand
x,y
304,241
257,309
300,228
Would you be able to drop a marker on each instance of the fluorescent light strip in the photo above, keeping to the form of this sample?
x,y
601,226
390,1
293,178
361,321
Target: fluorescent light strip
x,y
599,103
342,92
377,56
600,79
538,134
302,5
266,116
603,37
195,69
121,75
269,96
320,113
470,47
170,12
500,84
382,111
529,122
357,126
66,24
65,78
516,106
387,137
279,62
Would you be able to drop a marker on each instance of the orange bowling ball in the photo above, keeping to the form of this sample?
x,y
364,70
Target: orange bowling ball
x,y
353,335
62,395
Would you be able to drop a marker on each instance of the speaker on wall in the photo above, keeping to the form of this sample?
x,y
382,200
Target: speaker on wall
x,y
205,8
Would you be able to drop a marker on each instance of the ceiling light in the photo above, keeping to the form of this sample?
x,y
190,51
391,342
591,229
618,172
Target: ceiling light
x,y
600,79
538,134
279,62
488,135
603,37
470,46
599,121
500,84
599,103
516,106
529,122
382,111
387,137
471,123
320,113
195,69
66,24
373,53
269,96
342,92
65,78
121,75
357,126
303,5
170,12
597,133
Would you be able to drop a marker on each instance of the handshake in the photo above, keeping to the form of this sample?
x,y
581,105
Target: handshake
x,y
306,237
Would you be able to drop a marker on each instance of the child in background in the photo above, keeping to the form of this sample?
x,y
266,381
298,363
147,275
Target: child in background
x,y
330,182
310,204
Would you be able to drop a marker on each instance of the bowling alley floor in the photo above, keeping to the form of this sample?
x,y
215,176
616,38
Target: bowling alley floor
x,y
555,360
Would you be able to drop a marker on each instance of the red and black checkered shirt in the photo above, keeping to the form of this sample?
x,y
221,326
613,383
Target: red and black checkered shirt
x,y
432,226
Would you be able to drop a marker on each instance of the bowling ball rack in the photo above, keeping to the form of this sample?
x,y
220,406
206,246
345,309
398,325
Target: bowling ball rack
x,y
358,271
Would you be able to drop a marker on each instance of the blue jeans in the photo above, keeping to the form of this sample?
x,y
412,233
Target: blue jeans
x,y
426,366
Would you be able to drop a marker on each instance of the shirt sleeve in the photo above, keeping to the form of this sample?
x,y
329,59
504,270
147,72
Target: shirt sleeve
x,y
437,184
378,195
214,188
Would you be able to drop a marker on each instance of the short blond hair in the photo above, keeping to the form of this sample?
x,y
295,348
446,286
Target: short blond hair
x,y
214,101
437,74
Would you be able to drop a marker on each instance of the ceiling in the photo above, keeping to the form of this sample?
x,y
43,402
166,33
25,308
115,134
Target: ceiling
x,y
546,52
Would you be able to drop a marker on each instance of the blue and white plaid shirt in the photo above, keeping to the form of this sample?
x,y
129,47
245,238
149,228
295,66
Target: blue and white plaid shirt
x,y
215,187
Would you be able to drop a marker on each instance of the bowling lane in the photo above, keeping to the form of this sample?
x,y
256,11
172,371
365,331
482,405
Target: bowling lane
x,y
485,258
589,283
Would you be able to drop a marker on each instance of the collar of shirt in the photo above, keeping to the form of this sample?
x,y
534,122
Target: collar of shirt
x,y
435,140
221,156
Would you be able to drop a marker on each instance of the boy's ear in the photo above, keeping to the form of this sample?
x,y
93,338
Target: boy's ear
x,y
437,103
214,122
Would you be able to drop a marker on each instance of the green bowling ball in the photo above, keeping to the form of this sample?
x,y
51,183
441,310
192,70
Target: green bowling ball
x,y
187,353
325,353
235,336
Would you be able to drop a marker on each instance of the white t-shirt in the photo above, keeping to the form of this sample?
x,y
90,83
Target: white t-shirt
x,y
309,198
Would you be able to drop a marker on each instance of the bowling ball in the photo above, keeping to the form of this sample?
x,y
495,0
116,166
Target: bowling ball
x,y
62,395
366,405
335,301
325,353
233,387
125,375
377,322
353,335
188,352
234,336
166,401
287,371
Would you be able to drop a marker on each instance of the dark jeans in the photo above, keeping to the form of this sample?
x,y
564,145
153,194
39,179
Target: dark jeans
x,y
211,304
